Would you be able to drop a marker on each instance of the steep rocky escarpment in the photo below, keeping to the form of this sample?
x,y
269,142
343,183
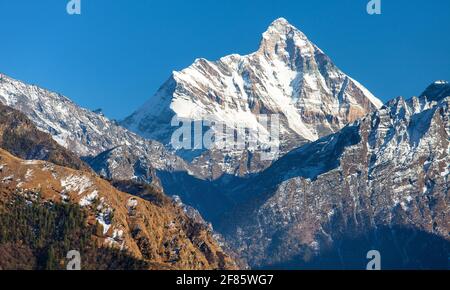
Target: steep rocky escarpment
x,y
388,170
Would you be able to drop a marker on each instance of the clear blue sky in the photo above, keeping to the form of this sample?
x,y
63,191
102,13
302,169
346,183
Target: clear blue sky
x,y
118,52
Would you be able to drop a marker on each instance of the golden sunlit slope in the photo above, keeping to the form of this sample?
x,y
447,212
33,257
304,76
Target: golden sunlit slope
x,y
161,234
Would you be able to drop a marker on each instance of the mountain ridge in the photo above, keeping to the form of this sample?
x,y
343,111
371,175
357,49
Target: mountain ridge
x,y
87,133
391,169
288,76
19,136
348,164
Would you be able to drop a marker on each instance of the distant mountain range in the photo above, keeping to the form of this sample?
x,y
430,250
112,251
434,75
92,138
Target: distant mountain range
x,y
98,140
351,173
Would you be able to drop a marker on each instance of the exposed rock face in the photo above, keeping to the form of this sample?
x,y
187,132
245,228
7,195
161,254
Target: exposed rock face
x,y
288,76
84,132
387,170
159,233
122,154
150,225
383,177
20,136
127,163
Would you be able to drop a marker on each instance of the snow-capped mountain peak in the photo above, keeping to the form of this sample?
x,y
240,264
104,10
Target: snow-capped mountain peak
x,y
437,91
288,76
282,38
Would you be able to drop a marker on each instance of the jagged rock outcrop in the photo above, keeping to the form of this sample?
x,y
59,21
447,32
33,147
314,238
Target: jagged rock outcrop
x,y
388,170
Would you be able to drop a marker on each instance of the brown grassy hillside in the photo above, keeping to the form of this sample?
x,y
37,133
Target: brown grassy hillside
x,y
159,233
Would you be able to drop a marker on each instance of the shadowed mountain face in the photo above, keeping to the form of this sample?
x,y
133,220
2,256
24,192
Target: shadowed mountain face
x,y
122,154
19,136
214,198
399,248
389,169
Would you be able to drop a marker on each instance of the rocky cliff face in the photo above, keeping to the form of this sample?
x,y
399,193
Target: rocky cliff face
x,y
88,134
380,178
288,76
20,137
388,170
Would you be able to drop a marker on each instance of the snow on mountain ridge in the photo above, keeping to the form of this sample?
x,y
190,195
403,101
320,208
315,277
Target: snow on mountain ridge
x,y
87,133
273,77
288,75
388,169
